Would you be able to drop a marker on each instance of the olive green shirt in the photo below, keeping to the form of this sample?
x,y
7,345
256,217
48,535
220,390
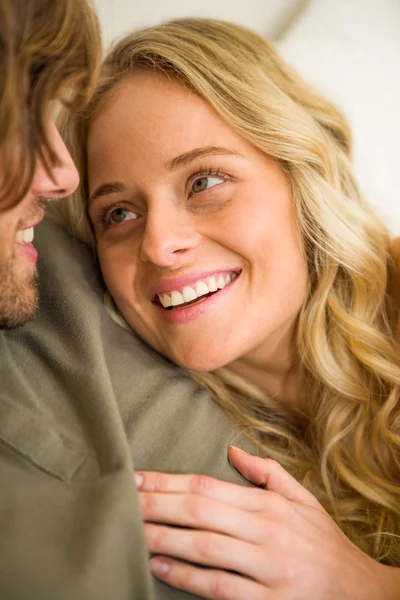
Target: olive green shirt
x,y
83,403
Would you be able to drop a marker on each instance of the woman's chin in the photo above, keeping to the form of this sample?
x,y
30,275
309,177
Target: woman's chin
x,y
199,363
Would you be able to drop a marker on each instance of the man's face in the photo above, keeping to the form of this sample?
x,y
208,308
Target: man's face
x,y
18,271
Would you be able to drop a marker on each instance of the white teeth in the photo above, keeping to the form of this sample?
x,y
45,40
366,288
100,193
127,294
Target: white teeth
x,y
212,284
189,294
29,235
176,298
165,300
201,289
221,282
25,236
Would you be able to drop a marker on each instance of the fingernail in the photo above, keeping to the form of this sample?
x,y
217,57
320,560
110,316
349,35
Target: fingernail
x,y
159,566
238,449
139,480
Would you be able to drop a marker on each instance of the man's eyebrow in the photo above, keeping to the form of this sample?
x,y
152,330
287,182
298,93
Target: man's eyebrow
x,y
184,159
107,188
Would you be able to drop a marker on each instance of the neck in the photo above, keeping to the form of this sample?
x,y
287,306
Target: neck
x,y
272,368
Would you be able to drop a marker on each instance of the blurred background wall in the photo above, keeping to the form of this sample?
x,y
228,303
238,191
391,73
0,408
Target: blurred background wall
x,y
268,17
349,49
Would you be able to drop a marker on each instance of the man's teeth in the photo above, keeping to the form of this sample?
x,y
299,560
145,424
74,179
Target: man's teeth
x,y
198,289
25,236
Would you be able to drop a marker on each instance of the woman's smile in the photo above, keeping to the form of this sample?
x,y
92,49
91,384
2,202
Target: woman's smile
x,y
179,306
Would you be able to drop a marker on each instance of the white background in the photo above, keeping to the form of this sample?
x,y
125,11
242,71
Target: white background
x,y
268,17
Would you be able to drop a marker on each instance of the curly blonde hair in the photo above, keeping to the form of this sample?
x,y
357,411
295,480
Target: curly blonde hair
x,y
343,443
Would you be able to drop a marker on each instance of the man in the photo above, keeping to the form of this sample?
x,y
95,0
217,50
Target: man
x,y
80,397
48,49
18,272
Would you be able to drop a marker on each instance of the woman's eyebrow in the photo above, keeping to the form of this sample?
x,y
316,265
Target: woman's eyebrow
x,y
184,159
107,188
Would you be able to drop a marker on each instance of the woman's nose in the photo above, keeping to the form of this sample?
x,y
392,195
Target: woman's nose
x,y
169,235
63,178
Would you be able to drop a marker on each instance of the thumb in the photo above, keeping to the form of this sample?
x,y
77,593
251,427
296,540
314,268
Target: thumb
x,y
269,474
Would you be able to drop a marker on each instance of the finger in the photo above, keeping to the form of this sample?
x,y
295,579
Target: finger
x,y
212,584
210,550
200,512
251,499
271,475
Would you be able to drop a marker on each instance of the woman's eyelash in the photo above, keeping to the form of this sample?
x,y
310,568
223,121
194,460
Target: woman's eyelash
x,y
208,172
102,217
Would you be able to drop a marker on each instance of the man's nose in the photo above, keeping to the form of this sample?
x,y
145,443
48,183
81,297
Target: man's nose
x,y
63,178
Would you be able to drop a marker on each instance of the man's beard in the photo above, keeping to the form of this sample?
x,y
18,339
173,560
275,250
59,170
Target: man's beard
x,y
19,300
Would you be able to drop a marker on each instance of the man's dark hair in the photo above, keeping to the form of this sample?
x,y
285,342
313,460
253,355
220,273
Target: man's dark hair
x,y
49,50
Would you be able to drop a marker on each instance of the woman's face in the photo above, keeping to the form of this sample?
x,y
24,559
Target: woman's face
x,y
195,228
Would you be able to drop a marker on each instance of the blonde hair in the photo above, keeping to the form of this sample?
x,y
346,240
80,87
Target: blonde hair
x,y
344,443
49,50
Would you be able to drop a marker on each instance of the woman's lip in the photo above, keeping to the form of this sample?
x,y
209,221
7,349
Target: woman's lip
x,y
179,282
181,316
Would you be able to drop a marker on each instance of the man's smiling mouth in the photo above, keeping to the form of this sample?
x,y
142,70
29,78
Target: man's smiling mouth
x,y
25,236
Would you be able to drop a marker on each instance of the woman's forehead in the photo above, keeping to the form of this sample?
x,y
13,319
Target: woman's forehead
x,y
154,97
151,113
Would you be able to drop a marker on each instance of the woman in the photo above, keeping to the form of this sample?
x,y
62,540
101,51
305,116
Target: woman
x,y
219,193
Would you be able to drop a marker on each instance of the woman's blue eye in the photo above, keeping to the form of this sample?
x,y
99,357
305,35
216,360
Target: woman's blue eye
x,y
119,215
204,183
